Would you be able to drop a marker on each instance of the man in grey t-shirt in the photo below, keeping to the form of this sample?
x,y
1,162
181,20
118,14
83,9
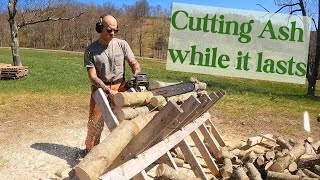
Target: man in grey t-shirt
x,y
105,60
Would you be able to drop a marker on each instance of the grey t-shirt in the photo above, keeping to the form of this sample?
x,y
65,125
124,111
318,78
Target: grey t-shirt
x,y
108,61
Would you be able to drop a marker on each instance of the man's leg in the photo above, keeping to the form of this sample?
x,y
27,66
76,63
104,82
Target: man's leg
x,y
95,124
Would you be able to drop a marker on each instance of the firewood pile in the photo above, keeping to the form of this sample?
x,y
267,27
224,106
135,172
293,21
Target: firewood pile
x,y
12,72
266,157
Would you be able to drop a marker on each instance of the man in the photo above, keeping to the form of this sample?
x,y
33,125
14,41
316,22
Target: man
x,y
105,60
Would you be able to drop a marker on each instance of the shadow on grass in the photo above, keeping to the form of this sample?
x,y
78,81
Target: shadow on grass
x,y
70,154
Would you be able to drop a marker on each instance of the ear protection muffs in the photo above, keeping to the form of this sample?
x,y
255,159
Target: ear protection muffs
x,y
99,24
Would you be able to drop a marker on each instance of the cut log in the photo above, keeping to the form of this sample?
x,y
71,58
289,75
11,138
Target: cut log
x,y
132,98
226,170
179,153
198,85
309,161
129,113
285,151
158,84
168,172
102,155
179,162
292,167
283,162
283,143
316,145
158,101
310,173
270,155
258,139
182,97
249,157
316,169
240,174
281,176
279,154
260,161
301,173
292,142
309,140
268,165
253,172
309,148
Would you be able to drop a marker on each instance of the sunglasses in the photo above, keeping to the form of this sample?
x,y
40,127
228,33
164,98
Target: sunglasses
x,y
110,30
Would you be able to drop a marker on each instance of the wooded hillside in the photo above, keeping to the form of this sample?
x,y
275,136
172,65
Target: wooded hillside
x,y
144,27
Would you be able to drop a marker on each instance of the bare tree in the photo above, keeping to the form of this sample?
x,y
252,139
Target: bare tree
x,y
306,8
32,12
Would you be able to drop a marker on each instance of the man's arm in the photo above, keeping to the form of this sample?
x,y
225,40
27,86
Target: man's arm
x,y
135,67
92,73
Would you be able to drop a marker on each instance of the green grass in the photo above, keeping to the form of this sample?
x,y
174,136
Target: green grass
x,y
252,101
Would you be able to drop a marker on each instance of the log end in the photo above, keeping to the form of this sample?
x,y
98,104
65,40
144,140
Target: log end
x,y
119,100
276,168
81,174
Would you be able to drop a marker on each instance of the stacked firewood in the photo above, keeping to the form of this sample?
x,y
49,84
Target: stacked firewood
x,y
129,105
261,157
265,157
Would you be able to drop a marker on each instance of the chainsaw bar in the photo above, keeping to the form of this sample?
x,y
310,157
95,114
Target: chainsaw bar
x,y
173,90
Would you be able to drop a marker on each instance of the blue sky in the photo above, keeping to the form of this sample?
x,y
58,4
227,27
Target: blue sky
x,y
238,4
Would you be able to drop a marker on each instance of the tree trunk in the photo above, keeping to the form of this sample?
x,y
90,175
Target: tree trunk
x,y
14,32
312,80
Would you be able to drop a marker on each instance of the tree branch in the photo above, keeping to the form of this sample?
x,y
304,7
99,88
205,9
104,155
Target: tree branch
x,y
263,7
20,25
315,24
287,5
296,10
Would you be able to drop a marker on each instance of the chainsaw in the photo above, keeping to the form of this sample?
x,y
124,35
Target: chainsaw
x,y
140,83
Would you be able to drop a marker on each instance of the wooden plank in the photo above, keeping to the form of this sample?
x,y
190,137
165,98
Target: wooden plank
x,y
107,115
149,133
205,153
168,159
143,160
192,160
216,134
210,140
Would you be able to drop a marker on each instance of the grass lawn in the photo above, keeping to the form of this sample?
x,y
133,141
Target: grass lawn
x,y
57,82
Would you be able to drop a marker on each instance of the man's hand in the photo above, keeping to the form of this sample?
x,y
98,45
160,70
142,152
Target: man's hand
x,y
135,67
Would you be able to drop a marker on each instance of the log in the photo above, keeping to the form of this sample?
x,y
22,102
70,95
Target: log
x,y
158,84
301,174
310,173
292,167
182,97
240,174
249,157
309,148
316,169
132,98
258,139
179,162
283,162
268,165
253,172
158,101
226,170
179,153
198,85
168,172
270,155
292,142
260,160
309,140
279,154
283,143
309,161
129,113
101,156
316,145
281,176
